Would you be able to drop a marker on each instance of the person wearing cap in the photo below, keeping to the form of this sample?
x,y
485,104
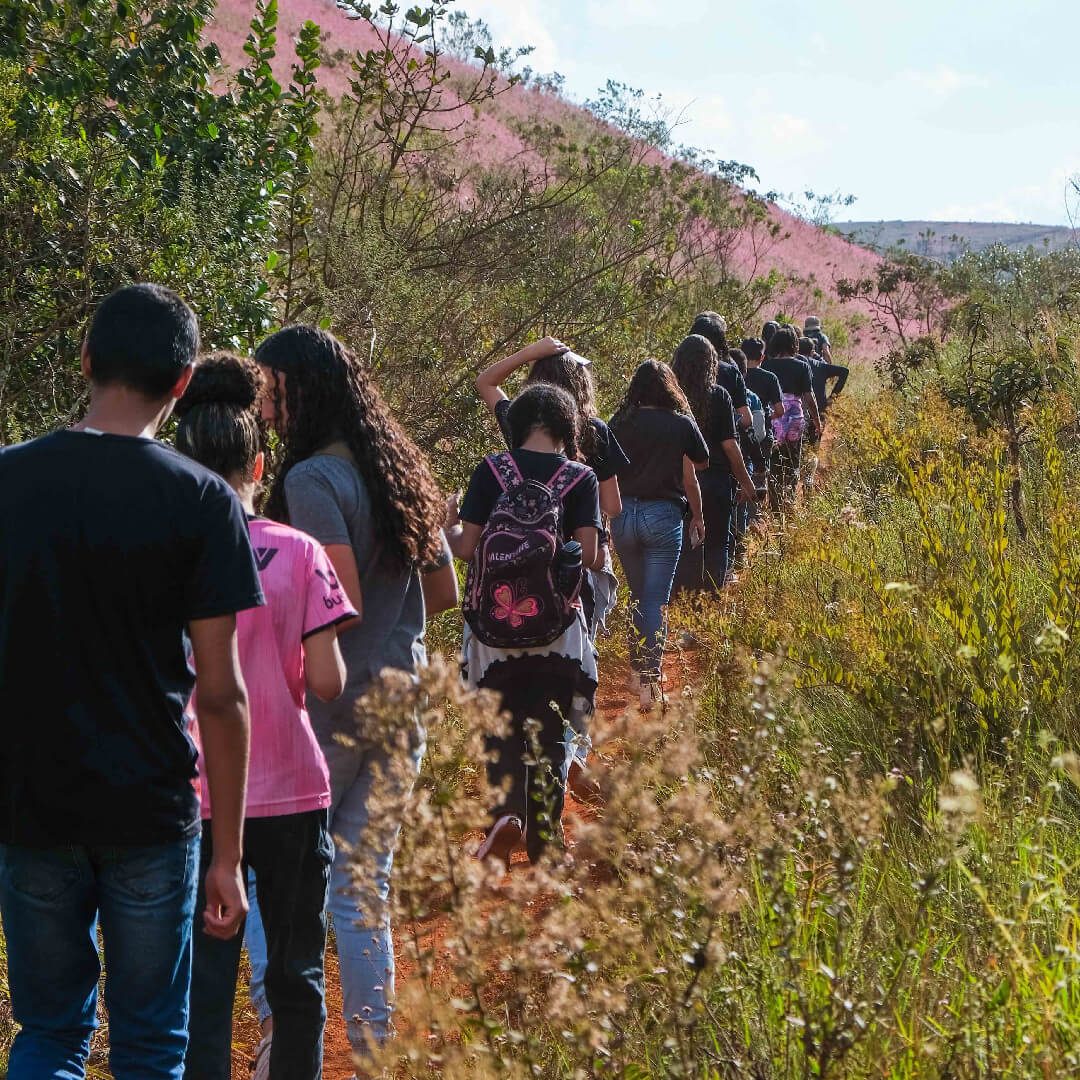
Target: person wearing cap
x,y
812,329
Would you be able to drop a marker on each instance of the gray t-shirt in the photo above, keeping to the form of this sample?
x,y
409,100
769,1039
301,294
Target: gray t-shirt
x,y
327,499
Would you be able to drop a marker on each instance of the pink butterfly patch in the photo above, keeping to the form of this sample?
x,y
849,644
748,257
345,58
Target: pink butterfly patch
x,y
515,612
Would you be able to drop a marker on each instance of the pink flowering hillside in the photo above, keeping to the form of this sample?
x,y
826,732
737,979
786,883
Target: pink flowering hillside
x,y
810,259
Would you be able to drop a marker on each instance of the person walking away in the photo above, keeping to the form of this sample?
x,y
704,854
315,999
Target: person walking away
x,y
285,647
713,328
767,387
350,477
756,445
529,525
796,387
117,555
813,330
655,425
706,567
822,372
550,361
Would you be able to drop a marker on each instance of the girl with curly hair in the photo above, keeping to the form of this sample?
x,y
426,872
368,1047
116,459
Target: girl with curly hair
x,y
349,475
660,489
695,365
285,648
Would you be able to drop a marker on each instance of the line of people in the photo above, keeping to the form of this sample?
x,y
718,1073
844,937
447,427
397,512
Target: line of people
x,y
184,753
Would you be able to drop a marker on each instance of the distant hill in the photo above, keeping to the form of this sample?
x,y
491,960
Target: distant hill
x,y
947,240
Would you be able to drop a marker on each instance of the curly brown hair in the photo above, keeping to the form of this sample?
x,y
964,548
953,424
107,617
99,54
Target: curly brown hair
x,y
576,380
653,386
330,396
694,365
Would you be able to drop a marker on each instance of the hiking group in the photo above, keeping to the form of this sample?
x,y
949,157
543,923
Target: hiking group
x,y
176,669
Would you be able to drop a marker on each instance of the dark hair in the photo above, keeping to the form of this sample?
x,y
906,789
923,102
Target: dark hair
x,y
783,343
329,395
576,380
738,358
219,424
694,365
546,406
768,330
753,348
710,326
806,346
653,386
142,337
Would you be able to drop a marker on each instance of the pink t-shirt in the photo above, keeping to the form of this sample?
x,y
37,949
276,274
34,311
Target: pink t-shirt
x,y
287,772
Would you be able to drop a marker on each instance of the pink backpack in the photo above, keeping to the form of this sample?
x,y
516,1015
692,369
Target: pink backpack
x,y
515,597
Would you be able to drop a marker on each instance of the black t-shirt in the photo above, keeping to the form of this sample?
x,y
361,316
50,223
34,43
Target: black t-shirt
x,y
720,427
581,507
655,440
766,385
731,379
109,546
792,373
820,374
605,461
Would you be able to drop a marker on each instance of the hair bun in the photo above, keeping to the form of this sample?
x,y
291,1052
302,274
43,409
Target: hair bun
x,y
222,378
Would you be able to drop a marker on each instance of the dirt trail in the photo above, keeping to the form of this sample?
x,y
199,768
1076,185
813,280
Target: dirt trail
x,y
612,700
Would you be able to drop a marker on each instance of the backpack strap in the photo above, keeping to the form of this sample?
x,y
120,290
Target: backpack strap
x,y
566,479
505,468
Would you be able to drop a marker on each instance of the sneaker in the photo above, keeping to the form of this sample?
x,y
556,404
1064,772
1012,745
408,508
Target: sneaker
x,y
261,1068
504,836
581,783
688,641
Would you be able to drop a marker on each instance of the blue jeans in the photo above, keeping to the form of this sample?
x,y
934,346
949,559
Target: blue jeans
x,y
648,537
362,777
290,856
51,900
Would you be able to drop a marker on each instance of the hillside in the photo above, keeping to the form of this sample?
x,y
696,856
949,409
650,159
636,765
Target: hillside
x,y
947,240
811,260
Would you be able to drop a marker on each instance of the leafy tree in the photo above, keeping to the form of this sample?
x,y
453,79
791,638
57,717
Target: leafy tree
x,y
125,154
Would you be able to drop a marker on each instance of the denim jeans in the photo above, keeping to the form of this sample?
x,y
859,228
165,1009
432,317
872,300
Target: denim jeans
x,y
290,856
705,568
51,900
648,537
369,788
786,462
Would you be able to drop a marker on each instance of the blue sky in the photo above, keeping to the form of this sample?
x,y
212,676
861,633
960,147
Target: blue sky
x,y
924,109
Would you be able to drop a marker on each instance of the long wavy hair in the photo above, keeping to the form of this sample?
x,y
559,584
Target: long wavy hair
x,y
653,386
330,396
577,381
694,365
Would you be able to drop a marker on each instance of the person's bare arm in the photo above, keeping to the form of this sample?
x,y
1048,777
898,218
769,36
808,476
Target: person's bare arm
x,y
343,559
440,589
589,538
324,666
224,732
733,453
777,409
490,380
810,404
693,495
610,497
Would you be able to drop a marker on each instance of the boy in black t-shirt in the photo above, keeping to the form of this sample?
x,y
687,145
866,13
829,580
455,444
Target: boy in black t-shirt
x,y
116,555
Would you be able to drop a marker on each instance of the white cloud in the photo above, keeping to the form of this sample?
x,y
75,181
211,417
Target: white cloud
x,y
783,127
943,80
1041,203
523,22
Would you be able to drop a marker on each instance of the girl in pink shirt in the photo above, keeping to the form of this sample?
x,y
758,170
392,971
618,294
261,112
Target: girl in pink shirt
x,y
286,648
